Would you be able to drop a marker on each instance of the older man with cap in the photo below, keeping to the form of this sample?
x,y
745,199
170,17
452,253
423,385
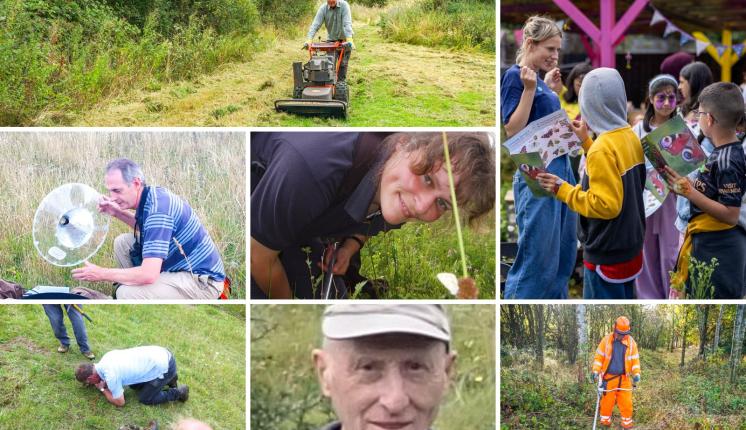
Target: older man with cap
x,y
384,366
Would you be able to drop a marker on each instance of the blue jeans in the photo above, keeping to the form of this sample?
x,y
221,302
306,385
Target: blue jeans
x,y
152,393
547,241
57,320
594,287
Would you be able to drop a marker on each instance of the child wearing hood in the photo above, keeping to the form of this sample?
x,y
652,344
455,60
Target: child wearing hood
x,y
611,225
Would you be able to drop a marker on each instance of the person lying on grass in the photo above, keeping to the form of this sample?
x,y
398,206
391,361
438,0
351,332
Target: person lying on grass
x,y
149,370
310,189
169,254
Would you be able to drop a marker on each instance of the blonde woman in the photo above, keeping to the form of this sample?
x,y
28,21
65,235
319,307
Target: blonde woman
x,y
547,243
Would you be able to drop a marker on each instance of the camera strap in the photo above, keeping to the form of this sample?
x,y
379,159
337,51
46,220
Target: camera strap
x,y
139,214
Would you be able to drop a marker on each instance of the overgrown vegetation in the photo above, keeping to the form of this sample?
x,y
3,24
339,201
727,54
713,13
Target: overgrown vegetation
x,y
411,257
686,378
57,57
458,24
207,169
285,393
38,387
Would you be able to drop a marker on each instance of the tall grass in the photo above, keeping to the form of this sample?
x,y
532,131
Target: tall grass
x,y
410,258
460,24
38,389
207,169
285,394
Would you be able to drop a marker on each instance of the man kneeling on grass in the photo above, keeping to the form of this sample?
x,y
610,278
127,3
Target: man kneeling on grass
x,y
169,255
146,369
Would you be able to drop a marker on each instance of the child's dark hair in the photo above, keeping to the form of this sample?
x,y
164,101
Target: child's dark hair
x,y
699,76
724,101
581,69
657,84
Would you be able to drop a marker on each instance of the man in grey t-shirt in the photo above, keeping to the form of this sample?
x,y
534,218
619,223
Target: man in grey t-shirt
x,y
336,17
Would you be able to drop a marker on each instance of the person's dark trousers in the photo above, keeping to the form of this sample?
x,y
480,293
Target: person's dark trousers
x,y
152,393
57,319
594,287
728,247
345,60
301,264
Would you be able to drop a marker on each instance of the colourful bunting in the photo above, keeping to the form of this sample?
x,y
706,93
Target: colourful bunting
x,y
721,49
701,46
685,37
670,28
657,17
738,49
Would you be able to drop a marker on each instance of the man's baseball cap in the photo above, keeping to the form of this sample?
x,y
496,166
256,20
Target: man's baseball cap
x,y
349,321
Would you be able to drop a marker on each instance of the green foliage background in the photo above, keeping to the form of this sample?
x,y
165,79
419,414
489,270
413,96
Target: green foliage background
x,y
285,394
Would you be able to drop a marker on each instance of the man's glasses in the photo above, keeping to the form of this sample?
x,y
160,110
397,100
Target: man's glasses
x,y
661,98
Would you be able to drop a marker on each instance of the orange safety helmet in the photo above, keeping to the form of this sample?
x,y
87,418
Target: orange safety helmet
x,y
621,325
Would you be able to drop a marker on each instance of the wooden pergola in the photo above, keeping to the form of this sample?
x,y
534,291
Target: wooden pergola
x,y
604,23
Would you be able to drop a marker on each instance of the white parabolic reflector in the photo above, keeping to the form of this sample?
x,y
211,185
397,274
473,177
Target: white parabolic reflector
x,y
68,228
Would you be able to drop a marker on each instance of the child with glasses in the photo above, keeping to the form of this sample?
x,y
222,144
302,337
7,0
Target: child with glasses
x,y
716,193
661,236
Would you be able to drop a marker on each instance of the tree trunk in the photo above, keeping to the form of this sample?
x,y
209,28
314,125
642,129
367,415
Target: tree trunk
x,y
683,337
735,352
582,343
704,313
716,341
539,319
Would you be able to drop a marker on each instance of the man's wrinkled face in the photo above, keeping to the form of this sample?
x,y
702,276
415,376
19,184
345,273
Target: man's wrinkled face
x,y
385,382
125,195
331,3
406,196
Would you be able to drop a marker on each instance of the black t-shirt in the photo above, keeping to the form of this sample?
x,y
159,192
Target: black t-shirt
x,y
723,176
297,196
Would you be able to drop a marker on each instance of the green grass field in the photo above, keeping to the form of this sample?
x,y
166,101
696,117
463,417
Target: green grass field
x,y
207,169
38,389
411,257
285,394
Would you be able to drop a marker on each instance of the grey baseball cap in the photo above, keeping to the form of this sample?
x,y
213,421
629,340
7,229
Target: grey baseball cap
x,y
349,321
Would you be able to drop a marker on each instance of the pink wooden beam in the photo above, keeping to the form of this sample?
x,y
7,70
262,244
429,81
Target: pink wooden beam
x,y
592,54
579,18
608,14
623,24
609,34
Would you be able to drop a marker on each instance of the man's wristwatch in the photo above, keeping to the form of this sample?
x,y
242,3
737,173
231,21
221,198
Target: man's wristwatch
x,y
102,389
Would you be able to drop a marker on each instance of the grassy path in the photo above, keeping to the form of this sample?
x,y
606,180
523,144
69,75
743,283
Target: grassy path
x,y
392,84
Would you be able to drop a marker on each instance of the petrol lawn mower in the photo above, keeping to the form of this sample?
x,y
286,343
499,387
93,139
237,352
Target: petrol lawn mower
x,y
317,89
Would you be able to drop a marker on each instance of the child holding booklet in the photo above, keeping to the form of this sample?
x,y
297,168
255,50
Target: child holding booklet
x,y
609,199
661,242
716,194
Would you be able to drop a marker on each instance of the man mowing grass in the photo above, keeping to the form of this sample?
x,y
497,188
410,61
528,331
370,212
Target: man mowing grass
x,y
146,369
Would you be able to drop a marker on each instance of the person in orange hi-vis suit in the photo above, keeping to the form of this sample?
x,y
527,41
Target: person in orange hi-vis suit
x,y
617,363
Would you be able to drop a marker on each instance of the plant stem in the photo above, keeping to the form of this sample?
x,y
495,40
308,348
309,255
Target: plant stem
x,y
454,204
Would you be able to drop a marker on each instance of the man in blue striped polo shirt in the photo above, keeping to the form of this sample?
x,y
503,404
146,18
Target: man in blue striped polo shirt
x,y
170,255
